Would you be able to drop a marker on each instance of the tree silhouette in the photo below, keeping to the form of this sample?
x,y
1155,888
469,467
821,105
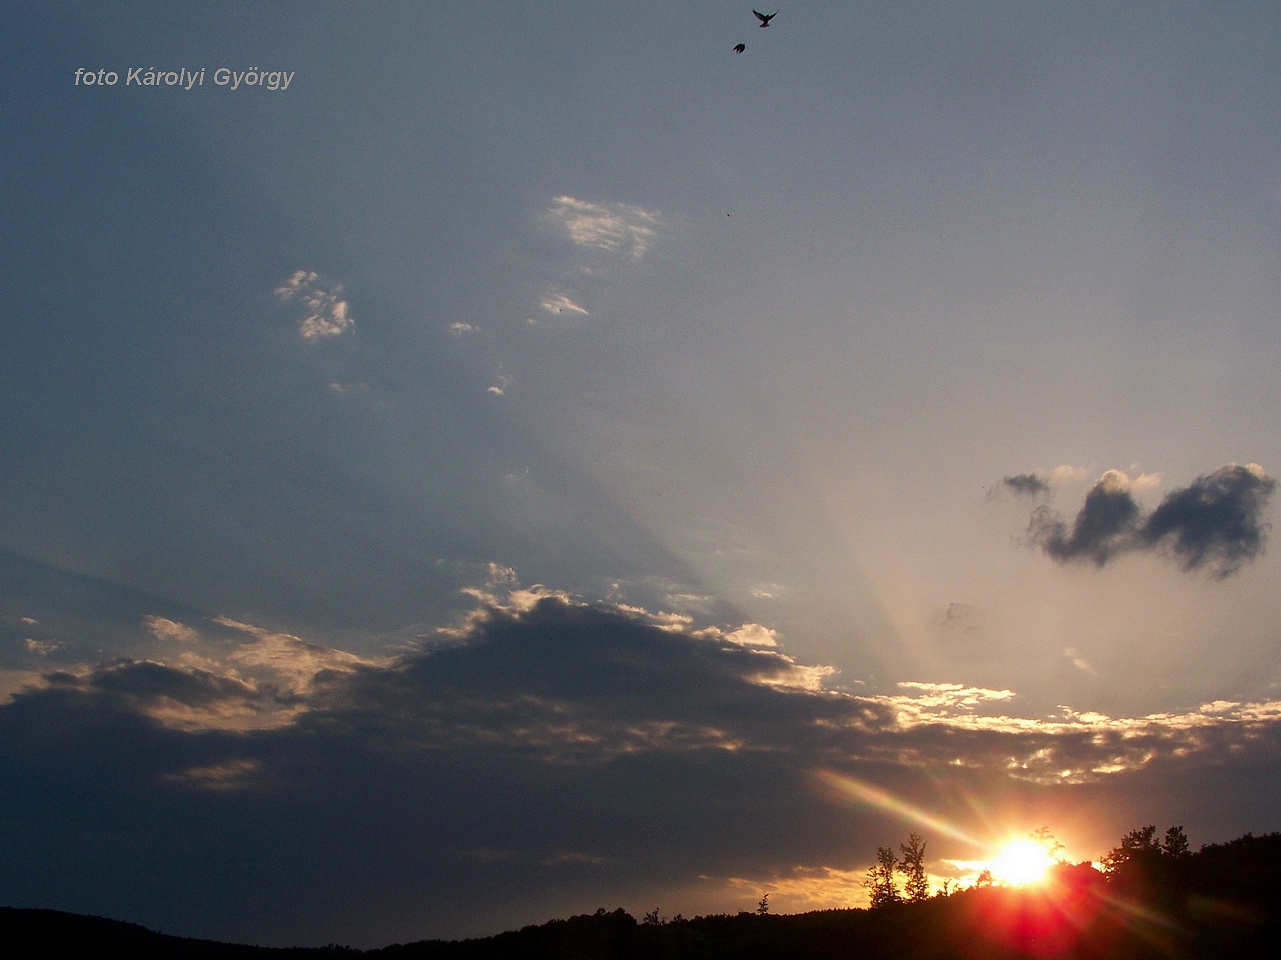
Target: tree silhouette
x,y
1046,839
1175,845
1139,845
880,878
917,886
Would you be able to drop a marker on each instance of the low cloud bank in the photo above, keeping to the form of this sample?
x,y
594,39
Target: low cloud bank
x,y
248,783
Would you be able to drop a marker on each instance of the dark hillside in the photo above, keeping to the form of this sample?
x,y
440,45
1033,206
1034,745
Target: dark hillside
x,y
1223,901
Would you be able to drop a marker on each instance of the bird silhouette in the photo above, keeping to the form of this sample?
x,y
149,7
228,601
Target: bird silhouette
x,y
765,18
740,47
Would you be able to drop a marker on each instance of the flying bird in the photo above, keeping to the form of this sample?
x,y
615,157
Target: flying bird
x,y
765,18
740,47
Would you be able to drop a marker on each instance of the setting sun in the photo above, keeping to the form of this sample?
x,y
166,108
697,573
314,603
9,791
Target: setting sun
x,y
1021,862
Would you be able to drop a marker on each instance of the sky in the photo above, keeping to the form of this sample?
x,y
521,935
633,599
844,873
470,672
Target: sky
x,y
465,465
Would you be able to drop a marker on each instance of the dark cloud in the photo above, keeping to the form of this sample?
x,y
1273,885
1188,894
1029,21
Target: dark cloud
x,y
557,757
1216,522
1103,527
1026,485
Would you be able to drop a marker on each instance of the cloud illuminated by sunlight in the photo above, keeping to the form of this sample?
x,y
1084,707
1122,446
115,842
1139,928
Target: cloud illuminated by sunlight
x,y
809,888
607,227
324,307
559,303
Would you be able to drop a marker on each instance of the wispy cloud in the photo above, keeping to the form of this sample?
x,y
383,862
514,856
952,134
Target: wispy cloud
x,y
348,389
325,312
616,228
1216,522
165,629
555,302
1079,661
223,777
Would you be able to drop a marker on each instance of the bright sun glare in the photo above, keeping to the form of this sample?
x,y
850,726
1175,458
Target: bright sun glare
x,y
1021,862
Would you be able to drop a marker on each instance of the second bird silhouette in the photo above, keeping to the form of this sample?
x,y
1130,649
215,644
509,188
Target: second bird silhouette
x,y
765,18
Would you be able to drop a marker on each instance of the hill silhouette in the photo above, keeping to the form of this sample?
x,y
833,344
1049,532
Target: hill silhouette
x,y
1155,902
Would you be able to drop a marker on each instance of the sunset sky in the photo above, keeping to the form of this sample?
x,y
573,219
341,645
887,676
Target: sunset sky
x,y
540,459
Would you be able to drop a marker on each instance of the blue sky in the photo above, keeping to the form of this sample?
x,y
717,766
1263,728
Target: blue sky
x,y
538,452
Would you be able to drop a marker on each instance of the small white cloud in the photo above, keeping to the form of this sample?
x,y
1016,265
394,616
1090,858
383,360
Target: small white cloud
x,y
459,329
163,629
1079,661
43,647
496,391
31,622
559,303
499,574
1066,473
753,635
324,309
348,389
608,227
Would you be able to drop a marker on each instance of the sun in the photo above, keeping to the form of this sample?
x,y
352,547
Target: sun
x,y
1021,862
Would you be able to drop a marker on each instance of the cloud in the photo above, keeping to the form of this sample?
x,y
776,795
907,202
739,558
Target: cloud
x,y
1079,661
1026,485
566,681
1216,522
1102,528
184,698
608,751
164,629
616,228
228,776
1145,481
283,661
559,303
325,312
458,328
754,635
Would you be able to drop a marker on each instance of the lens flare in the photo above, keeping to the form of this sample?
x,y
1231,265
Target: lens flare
x,y
1021,862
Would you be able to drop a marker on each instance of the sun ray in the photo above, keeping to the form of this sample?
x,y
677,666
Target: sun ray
x,y
879,799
